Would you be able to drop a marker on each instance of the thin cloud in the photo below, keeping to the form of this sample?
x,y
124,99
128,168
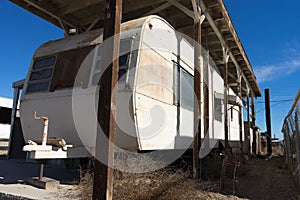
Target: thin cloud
x,y
272,72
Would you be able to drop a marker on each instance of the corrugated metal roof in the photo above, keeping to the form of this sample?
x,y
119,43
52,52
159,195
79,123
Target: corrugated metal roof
x,y
86,15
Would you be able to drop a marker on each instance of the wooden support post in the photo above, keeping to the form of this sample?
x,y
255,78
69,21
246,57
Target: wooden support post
x,y
241,121
297,132
225,106
13,120
254,144
206,88
103,172
249,125
197,100
268,121
223,170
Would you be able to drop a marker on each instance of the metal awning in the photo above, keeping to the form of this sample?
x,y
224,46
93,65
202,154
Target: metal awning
x,y
217,29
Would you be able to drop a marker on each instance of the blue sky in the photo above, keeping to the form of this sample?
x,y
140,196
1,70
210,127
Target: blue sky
x,y
269,31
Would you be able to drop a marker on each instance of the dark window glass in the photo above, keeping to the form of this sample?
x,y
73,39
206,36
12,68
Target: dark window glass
x,y
186,90
44,62
218,109
67,66
121,75
42,74
125,46
123,60
38,87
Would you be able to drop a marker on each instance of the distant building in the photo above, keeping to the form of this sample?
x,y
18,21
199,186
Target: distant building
x,y
5,117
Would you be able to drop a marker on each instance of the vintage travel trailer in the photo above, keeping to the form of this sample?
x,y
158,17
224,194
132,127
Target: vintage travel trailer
x,y
155,97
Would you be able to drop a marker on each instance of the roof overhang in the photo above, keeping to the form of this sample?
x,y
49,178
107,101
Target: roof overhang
x,y
218,32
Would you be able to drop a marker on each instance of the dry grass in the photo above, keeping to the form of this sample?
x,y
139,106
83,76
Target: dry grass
x,y
167,183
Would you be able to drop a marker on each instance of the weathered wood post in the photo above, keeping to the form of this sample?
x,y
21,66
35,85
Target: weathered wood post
x,y
241,119
248,126
103,172
254,144
268,121
197,89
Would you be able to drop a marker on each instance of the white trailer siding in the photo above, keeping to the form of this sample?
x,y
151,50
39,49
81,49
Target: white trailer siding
x,y
147,114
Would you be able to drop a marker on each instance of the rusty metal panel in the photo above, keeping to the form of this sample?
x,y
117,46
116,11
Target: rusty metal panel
x,y
155,76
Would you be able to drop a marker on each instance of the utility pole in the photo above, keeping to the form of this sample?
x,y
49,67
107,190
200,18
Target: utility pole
x,y
103,172
268,121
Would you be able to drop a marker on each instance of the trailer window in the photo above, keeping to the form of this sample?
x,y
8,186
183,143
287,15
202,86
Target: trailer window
x,y
44,62
124,61
186,90
67,66
40,78
38,87
123,68
41,74
218,109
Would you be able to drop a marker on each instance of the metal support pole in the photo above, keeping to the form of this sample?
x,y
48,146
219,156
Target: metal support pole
x,y
41,175
268,121
103,171
197,100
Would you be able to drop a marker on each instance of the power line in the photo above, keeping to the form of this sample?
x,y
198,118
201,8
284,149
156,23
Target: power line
x,y
277,101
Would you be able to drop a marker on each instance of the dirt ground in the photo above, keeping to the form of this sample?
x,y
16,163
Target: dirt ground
x,y
258,179
265,179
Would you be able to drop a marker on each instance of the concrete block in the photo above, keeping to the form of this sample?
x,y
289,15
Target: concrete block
x,y
44,183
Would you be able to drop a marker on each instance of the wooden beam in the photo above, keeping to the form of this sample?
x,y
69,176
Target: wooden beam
x,y
78,5
103,173
239,44
158,9
51,14
218,33
181,7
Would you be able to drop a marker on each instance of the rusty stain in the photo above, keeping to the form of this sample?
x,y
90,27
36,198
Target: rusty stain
x,y
152,80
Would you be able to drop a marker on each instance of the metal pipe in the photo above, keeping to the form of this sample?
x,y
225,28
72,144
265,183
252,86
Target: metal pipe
x,y
41,174
46,123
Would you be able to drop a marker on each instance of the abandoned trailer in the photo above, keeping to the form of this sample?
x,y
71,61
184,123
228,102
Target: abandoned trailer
x,y
183,78
155,95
